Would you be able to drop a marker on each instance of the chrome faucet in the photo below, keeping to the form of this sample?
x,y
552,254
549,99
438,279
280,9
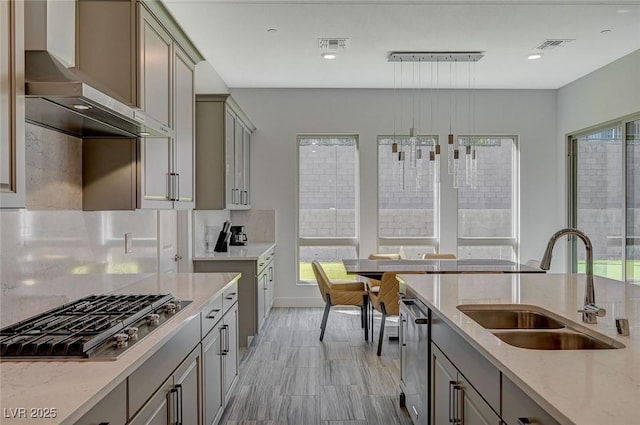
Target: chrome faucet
x,y
590,311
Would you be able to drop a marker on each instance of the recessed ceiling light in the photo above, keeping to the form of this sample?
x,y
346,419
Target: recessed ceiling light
x,y
81,107
534,56
329,56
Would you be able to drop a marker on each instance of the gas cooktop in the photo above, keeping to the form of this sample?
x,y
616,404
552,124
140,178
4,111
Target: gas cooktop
x,y
97,327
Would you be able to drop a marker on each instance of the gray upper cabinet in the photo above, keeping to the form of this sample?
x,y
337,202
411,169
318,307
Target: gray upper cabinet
x,y
12,132
142,58
223,140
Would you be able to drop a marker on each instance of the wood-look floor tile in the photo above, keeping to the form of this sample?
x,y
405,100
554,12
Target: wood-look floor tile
x,y
342,402
301,410
303,381
385,410
256,403
289,377
341,372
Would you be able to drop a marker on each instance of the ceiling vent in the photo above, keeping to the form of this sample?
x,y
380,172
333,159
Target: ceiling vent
x,y
332,43
552,44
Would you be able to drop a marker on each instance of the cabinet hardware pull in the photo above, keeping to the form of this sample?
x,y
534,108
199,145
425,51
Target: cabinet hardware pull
x,y
226,334
223,351
457,403
523,421
246,198
174,396
415,411
215,311
451,397
422,321
177,197
180,412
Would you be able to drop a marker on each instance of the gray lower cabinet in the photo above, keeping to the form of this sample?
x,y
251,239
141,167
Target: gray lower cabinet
x,y
220,365
464,387
519,409
112,409
455,401
255,290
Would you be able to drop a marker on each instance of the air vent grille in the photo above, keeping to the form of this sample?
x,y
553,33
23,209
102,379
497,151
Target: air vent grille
x,y
332,43
552,44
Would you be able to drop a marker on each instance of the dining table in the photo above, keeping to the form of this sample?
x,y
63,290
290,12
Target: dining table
x,y
376,268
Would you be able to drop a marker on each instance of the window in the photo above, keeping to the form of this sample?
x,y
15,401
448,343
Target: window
x,y
487,201
327,203
605,201
407,201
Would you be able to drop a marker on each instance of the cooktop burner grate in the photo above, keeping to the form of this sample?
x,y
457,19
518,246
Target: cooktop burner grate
x,y
88,325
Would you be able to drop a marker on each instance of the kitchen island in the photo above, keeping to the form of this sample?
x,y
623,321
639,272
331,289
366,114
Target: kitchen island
x,y
66,390
585,387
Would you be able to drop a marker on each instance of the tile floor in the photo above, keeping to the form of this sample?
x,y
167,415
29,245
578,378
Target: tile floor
x,y
289,377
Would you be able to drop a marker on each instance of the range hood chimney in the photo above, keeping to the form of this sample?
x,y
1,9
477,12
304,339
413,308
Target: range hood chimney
x,y
60,100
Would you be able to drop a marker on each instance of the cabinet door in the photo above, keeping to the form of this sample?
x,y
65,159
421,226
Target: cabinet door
x,y
155,68
271,288
187,382
246,160
262,283
212,395
231,357
12,131
183,159
154,173
239,163
160,409
474,410
443,383
230,149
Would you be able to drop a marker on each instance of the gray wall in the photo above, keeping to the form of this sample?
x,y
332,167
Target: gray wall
x,y
282,114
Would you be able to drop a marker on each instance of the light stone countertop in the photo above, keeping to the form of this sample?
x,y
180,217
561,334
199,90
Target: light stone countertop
x,y
73,387
583,387
251,251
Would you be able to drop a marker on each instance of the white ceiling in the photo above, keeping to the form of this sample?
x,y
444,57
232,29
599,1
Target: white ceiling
x,y
233,37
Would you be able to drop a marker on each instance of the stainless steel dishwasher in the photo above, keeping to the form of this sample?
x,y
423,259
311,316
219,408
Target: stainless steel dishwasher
x,y
414,358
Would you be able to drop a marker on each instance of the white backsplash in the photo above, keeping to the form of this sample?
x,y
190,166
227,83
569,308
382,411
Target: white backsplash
x,y
51,257
259,225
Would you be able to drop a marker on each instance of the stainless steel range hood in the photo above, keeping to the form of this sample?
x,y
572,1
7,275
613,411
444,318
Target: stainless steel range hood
x,y
57,99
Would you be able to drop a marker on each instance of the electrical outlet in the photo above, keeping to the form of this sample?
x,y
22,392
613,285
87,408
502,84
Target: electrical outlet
x,y
128,243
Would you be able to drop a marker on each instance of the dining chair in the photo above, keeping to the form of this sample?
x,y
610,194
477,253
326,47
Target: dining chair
x,y
385,300
438,256
334,293
373,285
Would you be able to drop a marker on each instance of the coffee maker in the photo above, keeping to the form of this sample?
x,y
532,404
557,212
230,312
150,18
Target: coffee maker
x,y
238,236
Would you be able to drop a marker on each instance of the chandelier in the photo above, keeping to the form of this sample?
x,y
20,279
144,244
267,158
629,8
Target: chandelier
x,y
461,151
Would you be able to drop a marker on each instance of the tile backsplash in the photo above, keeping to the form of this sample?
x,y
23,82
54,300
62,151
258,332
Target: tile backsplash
x,y
51,257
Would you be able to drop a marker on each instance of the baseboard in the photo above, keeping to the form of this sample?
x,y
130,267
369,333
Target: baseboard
x,y
298,302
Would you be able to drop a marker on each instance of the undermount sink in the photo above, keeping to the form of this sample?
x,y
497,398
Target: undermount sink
x,y
532,327
554,340
511,319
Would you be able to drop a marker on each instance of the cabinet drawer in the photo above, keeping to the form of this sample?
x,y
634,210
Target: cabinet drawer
x,y
112,409
229,296
482,375
148,377
211,314
517,404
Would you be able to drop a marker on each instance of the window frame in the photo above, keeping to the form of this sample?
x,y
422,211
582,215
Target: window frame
x,y
426,241
513,241
326,241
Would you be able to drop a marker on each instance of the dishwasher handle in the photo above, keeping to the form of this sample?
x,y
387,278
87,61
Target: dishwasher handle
x,y
409,305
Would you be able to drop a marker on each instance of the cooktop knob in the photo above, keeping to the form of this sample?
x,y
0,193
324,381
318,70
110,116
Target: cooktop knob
x,y
153,319
120,340
170,308
132,332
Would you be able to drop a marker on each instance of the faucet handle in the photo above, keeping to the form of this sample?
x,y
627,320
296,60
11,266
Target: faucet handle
x,y
593,309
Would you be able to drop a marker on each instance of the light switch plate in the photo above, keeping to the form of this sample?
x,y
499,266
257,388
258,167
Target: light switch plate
x,y
128,243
